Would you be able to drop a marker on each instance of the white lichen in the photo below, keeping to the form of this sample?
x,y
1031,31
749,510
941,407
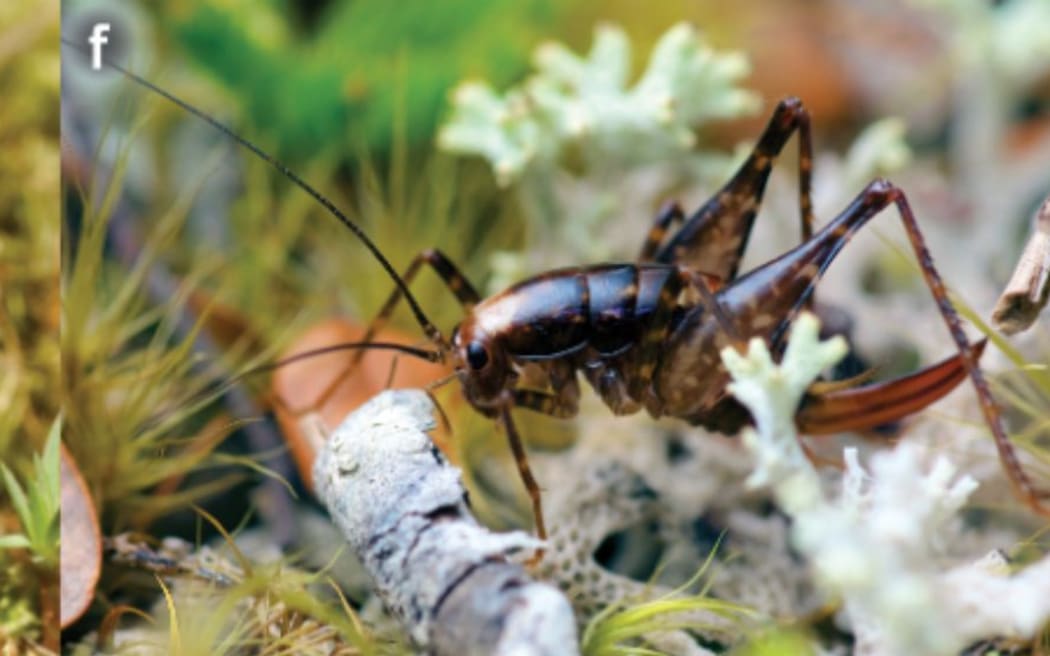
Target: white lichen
x,y
609,497
584,144
587,102
1008,39
772,394
877,544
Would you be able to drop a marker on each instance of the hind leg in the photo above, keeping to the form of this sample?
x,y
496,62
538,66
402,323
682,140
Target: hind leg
x,y
714,237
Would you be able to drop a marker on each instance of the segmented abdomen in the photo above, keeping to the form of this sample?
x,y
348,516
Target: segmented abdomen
x,y
564,311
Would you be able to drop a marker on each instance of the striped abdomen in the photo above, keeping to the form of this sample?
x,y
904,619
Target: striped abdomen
x,y
605,307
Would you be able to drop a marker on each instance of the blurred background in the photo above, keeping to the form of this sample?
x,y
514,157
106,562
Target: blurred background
x,y
29,323
516,137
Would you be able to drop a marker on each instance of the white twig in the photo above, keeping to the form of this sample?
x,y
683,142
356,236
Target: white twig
x,y
404,511
1028,291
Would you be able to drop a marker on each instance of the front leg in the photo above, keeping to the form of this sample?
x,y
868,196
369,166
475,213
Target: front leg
x,y
521,459
563,401
446,270
562,406
607,377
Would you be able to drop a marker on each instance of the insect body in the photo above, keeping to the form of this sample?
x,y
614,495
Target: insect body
x,y
647,334
590,319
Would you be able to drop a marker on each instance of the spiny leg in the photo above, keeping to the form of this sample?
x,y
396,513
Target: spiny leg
x,y
445,269
671,213
713,239
782,287
555,405
563,403
989,408
448,272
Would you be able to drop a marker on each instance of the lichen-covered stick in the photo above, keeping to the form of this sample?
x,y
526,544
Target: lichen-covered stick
x,y
404,512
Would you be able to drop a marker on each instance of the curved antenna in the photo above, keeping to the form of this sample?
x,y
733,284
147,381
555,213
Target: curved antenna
x,y
429,328
422,354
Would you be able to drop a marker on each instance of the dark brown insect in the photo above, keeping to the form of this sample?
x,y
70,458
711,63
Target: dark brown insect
x,y
647,334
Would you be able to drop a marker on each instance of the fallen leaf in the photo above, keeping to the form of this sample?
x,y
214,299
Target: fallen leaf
x,y
297,388
81,549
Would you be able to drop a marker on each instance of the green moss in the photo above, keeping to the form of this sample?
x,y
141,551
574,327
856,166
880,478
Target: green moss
x,y
29,230
213,601
130,385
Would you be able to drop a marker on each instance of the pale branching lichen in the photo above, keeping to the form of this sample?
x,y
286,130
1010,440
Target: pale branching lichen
x,y
772,393
878,543
588,102
577,139
1007,38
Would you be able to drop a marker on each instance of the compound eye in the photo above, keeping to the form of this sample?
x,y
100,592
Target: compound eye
x,y
477,356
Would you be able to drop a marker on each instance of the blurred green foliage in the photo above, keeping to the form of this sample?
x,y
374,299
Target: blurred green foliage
x,y
29,363
340,81
28,229
130,387
18,613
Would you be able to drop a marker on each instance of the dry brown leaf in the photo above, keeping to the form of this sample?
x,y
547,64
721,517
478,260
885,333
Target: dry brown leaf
x,y
81,550
297,388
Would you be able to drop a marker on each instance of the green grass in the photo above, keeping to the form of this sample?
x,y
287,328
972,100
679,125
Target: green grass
x,y
37,504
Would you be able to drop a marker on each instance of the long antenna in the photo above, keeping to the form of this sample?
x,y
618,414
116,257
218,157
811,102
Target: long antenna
x,y
423,354
429,328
